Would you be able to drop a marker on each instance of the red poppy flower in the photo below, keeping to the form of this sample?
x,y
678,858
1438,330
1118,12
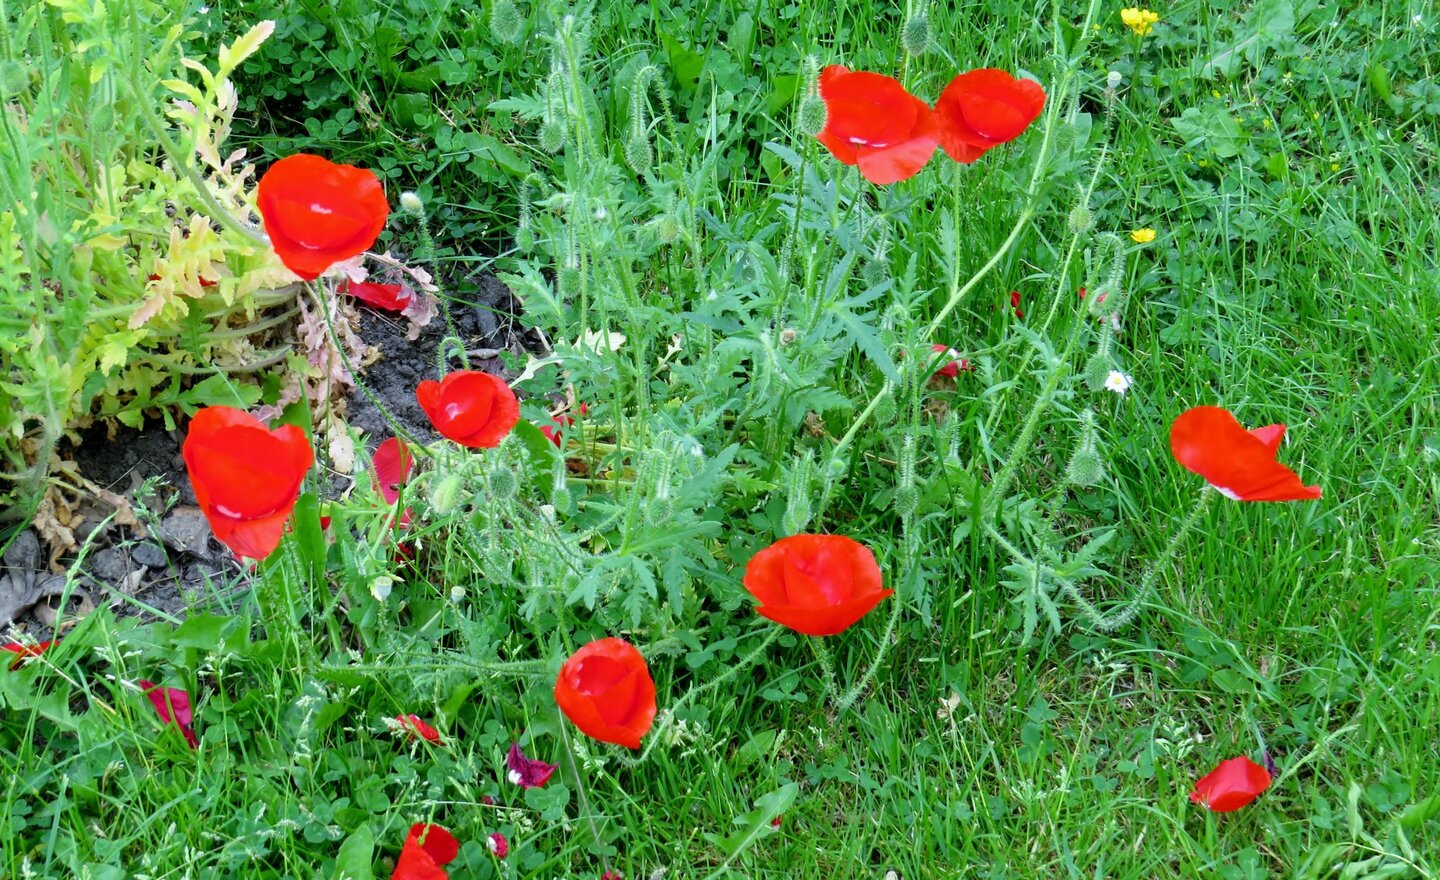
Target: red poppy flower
x,y
612,875
1015,303
318,213
815,584
173,707
419,728
1232,785
472,408
392,297
498,845
1241,464
23,653
870,120
557,425
246,478
983,109
605,689
527,772
425,860
954,368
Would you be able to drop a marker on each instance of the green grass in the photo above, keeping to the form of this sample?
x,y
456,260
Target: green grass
x,y
1301,290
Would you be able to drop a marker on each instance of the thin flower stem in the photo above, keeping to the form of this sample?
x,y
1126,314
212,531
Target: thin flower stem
x,y
580,788
698,690
1126,613
827,665
843,704
396,428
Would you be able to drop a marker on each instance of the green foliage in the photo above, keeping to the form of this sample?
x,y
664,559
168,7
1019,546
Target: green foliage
x,y
121,298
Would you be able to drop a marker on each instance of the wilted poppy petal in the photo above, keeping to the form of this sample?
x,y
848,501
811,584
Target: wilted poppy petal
x,y
24,653
1241,464
415,725
1230,786
527,772
423,860
173,707
392,297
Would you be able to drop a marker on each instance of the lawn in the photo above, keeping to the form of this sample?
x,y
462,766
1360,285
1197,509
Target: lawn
x,y
981,378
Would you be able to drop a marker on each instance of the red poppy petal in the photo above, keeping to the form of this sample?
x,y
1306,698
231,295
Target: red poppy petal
x,y
392,462
251,538
1235,783
600,680
1207,440
1270,435
827,621
997,106
868,109
382,296
439,843
903,160
843,152
317,212
427,394
244,469
472,408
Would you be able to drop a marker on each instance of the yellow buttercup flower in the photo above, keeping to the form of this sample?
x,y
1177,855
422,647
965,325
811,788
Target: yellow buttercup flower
x,y
1139,20
1142,236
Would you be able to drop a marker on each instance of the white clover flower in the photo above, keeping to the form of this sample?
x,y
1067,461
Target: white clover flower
x,y
1118,382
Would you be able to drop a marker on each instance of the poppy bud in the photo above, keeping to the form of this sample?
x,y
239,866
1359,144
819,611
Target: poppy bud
x,y
412,203
907,498
445,496
503,482
505,23
788,335
567,281
552,136
380,587
1080,219
915,34
812,115
1113,79
875,273
638,154
524,238
798,510
1097,370
1085,467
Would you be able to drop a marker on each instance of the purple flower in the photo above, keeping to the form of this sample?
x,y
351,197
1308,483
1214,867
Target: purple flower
x,y
527,772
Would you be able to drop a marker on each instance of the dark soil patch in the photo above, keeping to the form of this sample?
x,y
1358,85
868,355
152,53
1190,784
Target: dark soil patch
x,y
176,565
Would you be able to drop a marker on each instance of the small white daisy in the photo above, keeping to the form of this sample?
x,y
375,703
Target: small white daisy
x,y
1118,382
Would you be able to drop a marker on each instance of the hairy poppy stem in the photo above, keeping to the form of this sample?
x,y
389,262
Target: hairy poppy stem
x,y
395,427
827,664
697,690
